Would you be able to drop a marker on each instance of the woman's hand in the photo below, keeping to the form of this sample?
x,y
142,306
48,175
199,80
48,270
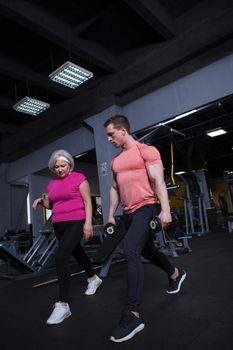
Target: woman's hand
x,y
84,189
37,202
88,231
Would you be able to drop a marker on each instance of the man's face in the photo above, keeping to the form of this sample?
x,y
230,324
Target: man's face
x,y
115,136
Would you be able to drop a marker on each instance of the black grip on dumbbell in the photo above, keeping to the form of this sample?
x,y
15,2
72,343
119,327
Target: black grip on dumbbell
x,y
110,228
155,224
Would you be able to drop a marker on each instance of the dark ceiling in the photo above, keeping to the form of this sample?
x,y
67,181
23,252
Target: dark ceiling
x,y
131,46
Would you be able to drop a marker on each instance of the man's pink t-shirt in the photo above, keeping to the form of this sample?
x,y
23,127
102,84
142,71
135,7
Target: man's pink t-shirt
x,y
65,198
131,176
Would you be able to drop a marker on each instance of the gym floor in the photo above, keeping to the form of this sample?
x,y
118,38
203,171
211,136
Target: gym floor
x,y
199,317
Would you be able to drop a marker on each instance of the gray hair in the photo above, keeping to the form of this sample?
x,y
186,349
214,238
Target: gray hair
x,y
61,154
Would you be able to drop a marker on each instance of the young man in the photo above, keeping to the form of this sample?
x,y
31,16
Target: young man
x,y
137,182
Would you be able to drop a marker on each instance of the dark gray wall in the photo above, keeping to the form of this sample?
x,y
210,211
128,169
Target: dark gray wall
x,y
37,185
18,211
77,142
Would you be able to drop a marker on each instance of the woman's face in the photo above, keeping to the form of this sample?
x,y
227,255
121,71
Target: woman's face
x,y
61,168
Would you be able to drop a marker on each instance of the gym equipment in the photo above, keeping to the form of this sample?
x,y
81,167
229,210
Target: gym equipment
x,y
110,228
156,226
164,242
195,209
11,259
42,250
203,202
37,256
228,177
18,240
115,233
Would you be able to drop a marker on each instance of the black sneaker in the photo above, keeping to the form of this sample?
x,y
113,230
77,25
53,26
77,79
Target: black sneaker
x,y
129,326
174,285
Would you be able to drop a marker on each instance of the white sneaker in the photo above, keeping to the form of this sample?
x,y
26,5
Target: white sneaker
x,y
93,285
60,312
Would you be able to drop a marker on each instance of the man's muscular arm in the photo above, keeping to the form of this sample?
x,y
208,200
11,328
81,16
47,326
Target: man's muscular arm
x,y
114,200
155,173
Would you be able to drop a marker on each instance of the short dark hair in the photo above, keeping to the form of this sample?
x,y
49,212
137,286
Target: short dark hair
x,y
118,121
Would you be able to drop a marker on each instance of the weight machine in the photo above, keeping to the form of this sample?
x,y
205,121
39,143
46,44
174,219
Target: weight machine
x,y
43,248
228,176
37,257
196,220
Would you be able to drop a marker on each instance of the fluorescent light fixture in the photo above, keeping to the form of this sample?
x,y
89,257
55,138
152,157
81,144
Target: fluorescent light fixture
x,y
31,106
216,132
71,75
29,220
80,155
180,172
185,114
180,116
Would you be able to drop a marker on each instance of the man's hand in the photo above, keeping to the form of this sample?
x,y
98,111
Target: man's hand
x,y
111,220
165,218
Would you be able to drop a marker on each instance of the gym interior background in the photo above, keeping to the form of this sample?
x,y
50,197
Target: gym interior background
x,y
168,66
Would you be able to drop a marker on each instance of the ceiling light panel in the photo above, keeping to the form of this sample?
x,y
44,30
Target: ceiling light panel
x,y
31,106
216,132
71,75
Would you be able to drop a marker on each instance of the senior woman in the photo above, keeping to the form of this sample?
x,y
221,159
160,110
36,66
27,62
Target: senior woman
x,y
70,202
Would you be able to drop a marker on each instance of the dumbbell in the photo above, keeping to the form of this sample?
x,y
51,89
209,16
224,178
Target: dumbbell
x,y
156,226
110,228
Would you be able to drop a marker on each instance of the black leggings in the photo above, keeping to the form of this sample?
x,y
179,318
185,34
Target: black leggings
x,y
69,235
139,242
